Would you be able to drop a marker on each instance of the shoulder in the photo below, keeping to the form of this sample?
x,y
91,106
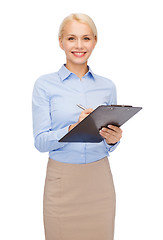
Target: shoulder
x,y
45,79
44,84
105,81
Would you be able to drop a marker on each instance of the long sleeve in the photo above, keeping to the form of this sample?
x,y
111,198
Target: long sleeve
x,y
45,138
113,101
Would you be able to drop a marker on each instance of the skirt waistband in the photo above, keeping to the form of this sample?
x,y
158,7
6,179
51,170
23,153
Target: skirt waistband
x,y
72,167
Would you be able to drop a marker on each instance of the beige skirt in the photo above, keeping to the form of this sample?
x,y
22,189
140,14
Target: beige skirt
x,y
79,201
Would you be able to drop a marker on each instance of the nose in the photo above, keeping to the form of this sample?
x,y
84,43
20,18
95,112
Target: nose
x,y
79,44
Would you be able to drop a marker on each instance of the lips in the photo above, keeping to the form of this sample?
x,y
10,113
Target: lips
x,y
78,54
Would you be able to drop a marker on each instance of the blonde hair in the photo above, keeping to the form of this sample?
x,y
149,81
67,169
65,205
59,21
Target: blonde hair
x,y
80,17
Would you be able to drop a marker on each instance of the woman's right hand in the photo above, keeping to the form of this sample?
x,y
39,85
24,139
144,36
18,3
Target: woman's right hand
x,y
83,115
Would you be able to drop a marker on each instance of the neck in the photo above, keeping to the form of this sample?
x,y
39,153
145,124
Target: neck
x,y
78,69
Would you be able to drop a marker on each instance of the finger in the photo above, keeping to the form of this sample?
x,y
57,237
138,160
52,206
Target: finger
x,y
111,133
109,138
115,128
83,115
106,132
88,110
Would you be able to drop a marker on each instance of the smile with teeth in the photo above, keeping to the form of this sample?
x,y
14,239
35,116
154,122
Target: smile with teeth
x,y
79,54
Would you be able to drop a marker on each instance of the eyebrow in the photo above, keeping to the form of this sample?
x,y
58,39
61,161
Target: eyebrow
x,y
86,35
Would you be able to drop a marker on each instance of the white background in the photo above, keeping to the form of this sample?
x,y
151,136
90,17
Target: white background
x,y
130,52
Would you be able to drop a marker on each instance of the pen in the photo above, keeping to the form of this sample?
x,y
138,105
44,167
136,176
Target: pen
x,y
80,106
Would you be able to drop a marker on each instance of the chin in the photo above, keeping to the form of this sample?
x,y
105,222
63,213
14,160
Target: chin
x,y
80,61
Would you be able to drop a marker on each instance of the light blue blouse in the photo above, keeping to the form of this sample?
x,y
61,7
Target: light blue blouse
x,y
54,109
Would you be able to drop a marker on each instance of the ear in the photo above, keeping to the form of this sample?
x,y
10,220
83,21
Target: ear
x,y
95,41
61,43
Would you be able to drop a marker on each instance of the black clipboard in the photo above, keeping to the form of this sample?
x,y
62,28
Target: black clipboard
x,y
88,129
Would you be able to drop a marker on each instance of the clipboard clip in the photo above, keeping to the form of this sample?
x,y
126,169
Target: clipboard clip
x,y
120,106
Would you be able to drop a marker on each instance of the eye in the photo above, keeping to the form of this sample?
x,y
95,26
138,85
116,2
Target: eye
x,y
71,38
86,38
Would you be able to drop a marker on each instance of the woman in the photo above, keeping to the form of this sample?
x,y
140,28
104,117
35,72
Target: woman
x,y
79,196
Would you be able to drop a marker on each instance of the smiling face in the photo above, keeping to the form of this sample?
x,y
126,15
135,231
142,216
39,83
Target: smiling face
x,y
78,43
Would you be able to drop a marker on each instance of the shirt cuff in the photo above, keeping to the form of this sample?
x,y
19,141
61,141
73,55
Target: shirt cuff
x,y
109,147
62,132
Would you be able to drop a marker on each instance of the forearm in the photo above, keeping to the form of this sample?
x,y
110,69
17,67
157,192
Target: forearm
x,y
48,141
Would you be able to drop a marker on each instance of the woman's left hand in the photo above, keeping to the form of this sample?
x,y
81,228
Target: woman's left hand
x,y
112,134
